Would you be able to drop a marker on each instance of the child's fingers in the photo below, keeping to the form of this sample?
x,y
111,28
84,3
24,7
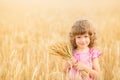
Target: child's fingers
x,y
79,66
73,59
69,62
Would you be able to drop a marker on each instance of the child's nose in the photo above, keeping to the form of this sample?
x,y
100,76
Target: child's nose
x,y
82,39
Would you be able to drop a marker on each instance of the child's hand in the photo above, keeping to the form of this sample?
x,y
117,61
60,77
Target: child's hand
x,y
69,63
80,66
72,61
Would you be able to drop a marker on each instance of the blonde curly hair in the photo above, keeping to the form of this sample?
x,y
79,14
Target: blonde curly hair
x,y
81,27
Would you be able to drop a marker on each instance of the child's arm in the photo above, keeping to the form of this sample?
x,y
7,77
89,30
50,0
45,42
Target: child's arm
x,y
68,64
95,72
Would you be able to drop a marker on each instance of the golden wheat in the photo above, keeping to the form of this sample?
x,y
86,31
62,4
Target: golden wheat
x,y
27,28
61,49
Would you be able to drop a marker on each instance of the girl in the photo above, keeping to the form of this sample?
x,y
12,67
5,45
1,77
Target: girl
x,y
85,57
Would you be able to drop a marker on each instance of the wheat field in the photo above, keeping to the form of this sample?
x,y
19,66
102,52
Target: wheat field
x,y
28,27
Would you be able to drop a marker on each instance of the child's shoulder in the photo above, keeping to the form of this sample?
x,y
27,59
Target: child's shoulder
x,y
95,52
74,52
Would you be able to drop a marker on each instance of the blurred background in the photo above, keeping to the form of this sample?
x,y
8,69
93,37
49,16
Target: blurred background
x,y
28,27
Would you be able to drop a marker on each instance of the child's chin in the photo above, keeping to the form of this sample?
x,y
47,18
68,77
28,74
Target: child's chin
x,y
83,47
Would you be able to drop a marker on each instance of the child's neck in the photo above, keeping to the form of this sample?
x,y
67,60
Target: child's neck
x,y
82,50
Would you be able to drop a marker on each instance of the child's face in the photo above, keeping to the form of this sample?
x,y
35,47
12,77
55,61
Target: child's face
x,y
82,41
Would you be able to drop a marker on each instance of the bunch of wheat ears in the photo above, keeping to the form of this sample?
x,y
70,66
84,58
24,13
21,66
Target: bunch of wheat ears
x,y
64,51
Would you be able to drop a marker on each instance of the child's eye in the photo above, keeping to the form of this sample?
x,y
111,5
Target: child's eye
x,y
86,36
78,37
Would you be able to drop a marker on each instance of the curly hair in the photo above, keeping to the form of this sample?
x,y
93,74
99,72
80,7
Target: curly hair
x,y
81,27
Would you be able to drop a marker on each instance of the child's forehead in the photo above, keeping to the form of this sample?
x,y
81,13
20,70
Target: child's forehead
x,y
82,34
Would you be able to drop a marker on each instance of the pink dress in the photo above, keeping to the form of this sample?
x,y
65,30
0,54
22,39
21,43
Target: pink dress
x,y
85,58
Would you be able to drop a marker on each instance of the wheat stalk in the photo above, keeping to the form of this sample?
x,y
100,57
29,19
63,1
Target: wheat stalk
x,y
61,49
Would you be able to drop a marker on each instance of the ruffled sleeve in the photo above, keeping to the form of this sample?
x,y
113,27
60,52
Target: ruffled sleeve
x,y
95,53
